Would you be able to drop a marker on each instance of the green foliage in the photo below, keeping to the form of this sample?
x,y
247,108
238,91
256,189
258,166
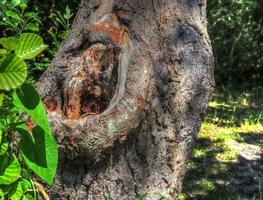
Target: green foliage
x,y
9,43
16,19
13,72
26,46
50,18
236,32
27,100
10,169
3,147
61,20
1,103
39,150
29,46
1,194
37,147
33,149
17,191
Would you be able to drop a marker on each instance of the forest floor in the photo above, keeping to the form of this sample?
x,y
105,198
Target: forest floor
x,y
227,161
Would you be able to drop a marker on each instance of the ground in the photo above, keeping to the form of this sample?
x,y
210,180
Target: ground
x,y
227,161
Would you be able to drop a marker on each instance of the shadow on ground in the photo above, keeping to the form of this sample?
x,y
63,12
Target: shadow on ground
x,y
209,177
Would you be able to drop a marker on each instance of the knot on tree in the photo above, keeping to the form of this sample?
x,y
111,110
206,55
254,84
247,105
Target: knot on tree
x,y
103,95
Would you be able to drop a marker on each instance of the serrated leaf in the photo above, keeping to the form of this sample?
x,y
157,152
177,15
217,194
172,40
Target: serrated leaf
x,y
10,170
27,99
9,43
13,72
30,45
39,152
17,191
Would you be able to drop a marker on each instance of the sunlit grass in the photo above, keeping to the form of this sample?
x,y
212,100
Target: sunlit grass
x,y
230,120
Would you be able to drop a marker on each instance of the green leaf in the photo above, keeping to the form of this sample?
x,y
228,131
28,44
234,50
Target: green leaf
x,y
12,14
11,170
9,43
6,189
13,72
23,6
27,197
32,27
17,191
32,15
2,98
16,2
3,147
3,52
1,136
67,14
1,194
39,152
27,99
26,185
30,45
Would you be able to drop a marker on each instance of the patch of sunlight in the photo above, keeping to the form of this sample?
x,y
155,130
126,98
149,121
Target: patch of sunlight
x,y
222,136
247,126
229,154
244,102
206,184
208,130
182,196
197,153
215,104
228,134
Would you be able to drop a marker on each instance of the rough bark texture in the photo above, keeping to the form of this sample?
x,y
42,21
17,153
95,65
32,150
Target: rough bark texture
x,y
126,94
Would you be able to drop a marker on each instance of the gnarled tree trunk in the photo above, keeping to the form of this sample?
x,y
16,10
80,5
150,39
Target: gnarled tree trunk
x,y
125,96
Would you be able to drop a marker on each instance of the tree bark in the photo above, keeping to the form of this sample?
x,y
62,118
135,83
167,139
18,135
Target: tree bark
x,y
125,96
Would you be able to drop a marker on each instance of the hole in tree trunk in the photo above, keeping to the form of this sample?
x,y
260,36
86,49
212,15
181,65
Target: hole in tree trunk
x,y
92,85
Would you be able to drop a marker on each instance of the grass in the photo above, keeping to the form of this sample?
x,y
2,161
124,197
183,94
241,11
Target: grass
x,y
227,158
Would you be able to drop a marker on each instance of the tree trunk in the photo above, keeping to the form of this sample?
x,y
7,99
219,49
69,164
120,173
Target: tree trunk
x,y
125,96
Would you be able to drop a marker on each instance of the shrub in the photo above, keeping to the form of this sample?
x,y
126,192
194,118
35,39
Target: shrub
x,y
236,31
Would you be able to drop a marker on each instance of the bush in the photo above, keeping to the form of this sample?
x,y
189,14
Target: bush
x,y
236,31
